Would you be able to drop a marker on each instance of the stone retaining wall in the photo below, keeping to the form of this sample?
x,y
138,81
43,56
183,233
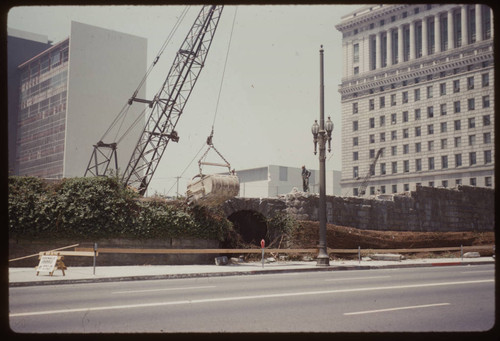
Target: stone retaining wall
x,y
464,208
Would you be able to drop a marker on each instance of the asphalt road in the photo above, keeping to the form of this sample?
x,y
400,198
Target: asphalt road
x,y
455,298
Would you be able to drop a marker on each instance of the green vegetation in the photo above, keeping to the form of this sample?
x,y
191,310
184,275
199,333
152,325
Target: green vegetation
x,y
101,207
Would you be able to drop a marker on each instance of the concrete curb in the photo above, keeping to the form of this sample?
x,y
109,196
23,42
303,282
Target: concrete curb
x,y
239,273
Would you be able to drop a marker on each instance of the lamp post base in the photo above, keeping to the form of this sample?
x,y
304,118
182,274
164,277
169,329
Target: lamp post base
x,y
322,260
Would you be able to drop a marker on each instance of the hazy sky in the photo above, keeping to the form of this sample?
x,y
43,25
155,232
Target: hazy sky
x,y
270,91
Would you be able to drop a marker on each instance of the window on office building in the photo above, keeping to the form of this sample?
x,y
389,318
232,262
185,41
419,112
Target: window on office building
x,y
470,83
355,53
486,101
373,52
472,158
382,102
371,104
485,79
355,141
382,169
393,99
406,166
442,89
394,135
394,188
430,35
444,127
405,116
405,96
487,156
372,138
443,109
457,124
444,143
486,120
417,95
456,106
429,92
372,122
382,137
406,148
486,138
458,160
430,112
430,129
355,172
488,182
394,150
417,114
430,146
418,165
355,108
418,147
456,86
458,182
444,161
472,182
354,125
382,120
393,118
471,104
430,163
371,153
355,156
418,131
405,133
458,142
394,167
355,192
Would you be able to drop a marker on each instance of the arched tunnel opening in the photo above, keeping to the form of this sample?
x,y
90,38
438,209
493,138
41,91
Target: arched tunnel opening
x,y
250,225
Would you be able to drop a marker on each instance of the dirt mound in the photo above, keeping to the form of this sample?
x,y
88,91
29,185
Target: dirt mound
x,y
341,237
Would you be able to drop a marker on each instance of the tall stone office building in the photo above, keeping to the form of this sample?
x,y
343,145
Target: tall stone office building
x,y
417,84
68,95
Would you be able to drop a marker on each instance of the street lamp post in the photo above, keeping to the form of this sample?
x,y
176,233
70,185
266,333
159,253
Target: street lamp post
x,y
322,132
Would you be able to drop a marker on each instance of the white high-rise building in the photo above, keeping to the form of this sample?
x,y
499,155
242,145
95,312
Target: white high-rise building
x,y
69,95
418,84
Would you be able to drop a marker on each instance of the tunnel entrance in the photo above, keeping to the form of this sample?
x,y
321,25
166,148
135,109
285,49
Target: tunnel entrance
x,y
250,225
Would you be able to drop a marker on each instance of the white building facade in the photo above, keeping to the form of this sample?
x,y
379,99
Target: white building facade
x,y
418,84
70,94
272,181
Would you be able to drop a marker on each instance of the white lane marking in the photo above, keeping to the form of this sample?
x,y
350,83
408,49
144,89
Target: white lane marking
x,y
239,298
398,308
476,271
354,278
162,289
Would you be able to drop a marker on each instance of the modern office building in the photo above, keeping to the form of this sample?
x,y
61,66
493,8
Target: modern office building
x,y
69,94
272,181
21,47
418,85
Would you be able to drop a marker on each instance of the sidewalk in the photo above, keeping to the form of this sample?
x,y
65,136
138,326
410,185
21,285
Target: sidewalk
x,y
28,277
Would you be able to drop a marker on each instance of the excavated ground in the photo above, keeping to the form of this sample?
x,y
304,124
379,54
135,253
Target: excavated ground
x,y
342,237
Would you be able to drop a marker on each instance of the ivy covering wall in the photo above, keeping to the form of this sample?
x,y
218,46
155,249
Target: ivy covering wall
x,y
100,207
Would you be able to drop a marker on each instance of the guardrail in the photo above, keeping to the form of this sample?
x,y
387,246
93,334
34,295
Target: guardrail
x,y
330,250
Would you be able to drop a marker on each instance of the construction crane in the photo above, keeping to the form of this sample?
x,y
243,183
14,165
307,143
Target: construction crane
x,y
362,188
165,108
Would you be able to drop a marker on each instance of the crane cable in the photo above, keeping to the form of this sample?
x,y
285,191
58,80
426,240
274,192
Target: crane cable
x,y
224,70
209,139
122,113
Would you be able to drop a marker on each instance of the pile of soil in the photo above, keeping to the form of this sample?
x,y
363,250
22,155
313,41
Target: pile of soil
x,y
342,237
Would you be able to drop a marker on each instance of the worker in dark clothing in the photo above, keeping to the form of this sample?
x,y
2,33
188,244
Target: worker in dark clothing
x,y
305,179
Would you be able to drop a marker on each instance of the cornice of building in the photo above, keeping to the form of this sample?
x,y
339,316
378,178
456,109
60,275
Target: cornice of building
x,y
473,53
367,14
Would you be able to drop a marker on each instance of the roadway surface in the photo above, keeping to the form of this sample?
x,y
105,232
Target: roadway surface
x,y
454,298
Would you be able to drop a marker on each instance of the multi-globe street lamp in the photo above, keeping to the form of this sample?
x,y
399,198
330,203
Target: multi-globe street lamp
x,y
322,132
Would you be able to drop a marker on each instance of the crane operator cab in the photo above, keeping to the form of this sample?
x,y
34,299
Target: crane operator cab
x,y
212,189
